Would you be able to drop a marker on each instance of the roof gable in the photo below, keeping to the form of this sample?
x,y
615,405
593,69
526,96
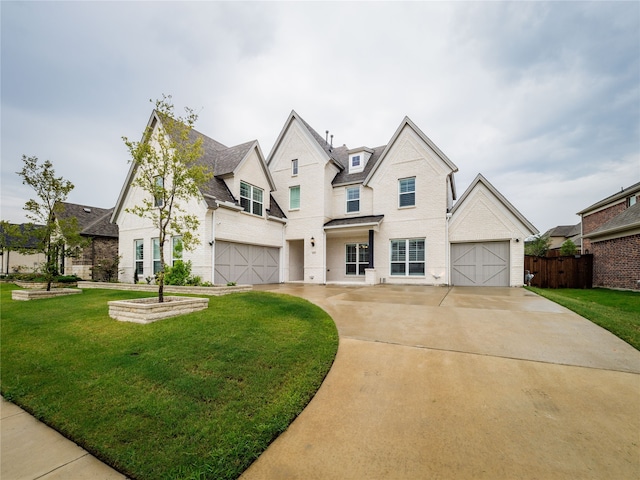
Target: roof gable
x,y
407,123
92,221
336,155
480,180
622,194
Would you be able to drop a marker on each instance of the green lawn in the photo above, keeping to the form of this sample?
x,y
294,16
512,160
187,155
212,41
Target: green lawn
x,y
617,311
197,396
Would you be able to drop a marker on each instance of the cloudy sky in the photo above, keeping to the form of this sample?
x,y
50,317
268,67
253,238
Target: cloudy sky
x,y
541,98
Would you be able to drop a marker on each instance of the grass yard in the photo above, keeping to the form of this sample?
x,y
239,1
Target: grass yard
x,y
617,311
198,396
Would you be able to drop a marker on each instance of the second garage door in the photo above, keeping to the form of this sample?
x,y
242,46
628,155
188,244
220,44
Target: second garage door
x,y
480,264
246,264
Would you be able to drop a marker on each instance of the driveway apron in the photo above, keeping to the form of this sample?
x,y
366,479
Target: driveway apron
x,y
493,383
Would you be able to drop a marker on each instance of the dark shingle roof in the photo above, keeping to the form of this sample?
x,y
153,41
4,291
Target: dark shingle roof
x,y
338,154
354,221
564,231
612,198
27,237
275,210
344,177
629,218
92,221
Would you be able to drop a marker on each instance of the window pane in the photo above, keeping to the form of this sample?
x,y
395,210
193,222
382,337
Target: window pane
x,y
397,268
245,203
361,268
398,250
407,199
139,250
351,254
350,269
244,190
257,194
155,242
353,193
355,161
294,166
257,209
416,250
407,185
416,269
177,248
353,206
363,253
294,197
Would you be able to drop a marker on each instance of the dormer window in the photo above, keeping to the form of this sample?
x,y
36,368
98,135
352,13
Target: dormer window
x,y
358,158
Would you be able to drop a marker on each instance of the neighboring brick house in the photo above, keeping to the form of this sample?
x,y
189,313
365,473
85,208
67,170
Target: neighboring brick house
x,y
611,232
98,260
361,215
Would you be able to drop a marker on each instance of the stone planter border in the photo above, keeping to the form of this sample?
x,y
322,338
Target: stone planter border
x,y
43,285
32,294
209,291
147,310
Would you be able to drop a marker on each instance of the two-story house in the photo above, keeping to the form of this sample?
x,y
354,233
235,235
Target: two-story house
x,y
316,213
611,232
386,214
241,226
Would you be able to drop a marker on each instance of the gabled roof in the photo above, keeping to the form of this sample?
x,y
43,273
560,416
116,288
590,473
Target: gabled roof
x,y
92,221
481,180
407,122
337,155
625,192
565,231
223,161
26,238
629,219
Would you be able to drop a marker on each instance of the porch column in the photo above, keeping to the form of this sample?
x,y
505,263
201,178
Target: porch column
x,y
371,249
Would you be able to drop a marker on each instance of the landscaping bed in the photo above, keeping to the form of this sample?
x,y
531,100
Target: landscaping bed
x,y
197,396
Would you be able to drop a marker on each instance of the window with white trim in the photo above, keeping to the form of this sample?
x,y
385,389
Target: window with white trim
x,y
356,258
353,199
139,256
294,167
251,198
294,197
176,249
407,192
408,257
155,252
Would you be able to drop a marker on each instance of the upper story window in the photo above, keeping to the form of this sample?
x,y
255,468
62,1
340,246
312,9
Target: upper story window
x,y
353,199
294,167
294,197
631,201
407,192
356,163
158,198
251,198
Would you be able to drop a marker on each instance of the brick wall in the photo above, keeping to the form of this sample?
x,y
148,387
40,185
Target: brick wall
x,y
616,263
99,251
592,221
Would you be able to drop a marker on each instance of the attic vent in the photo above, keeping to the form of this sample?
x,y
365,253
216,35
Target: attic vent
x,y
88,210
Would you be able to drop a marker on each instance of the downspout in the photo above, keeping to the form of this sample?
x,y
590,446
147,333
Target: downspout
x,y
447,251
213,245
324,256
283,243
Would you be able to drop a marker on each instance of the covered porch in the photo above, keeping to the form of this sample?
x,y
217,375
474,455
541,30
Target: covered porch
x,y
350,250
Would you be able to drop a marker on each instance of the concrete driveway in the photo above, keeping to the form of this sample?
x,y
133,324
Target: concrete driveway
x,y
458,383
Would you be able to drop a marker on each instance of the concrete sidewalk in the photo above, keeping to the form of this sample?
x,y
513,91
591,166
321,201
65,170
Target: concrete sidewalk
x,y
463,383
30,450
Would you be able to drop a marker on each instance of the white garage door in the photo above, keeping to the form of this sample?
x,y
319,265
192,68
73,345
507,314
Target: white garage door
x,y
246,264
480,264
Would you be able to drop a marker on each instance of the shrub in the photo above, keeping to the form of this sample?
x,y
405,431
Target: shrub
x,y
179,274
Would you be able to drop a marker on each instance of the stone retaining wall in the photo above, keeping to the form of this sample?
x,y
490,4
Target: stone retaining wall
x,y
209,291
31,294
147,310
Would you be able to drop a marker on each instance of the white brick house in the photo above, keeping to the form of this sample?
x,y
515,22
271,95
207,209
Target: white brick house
x,y
241,226
334,214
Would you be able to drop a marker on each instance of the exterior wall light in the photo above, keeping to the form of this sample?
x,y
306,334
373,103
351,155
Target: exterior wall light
x,y
313,242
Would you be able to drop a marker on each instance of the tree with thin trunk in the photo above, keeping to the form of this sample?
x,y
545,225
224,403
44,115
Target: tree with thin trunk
x,y
56,237
169,170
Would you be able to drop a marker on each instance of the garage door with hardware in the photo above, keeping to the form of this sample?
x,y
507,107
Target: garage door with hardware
x,y
483,264
246,264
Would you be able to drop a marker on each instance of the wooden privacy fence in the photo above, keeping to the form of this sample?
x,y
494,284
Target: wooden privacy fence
x,y
560,272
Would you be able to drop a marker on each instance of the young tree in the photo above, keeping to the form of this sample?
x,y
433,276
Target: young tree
x,y
537,247
568,248
57,237
168,169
